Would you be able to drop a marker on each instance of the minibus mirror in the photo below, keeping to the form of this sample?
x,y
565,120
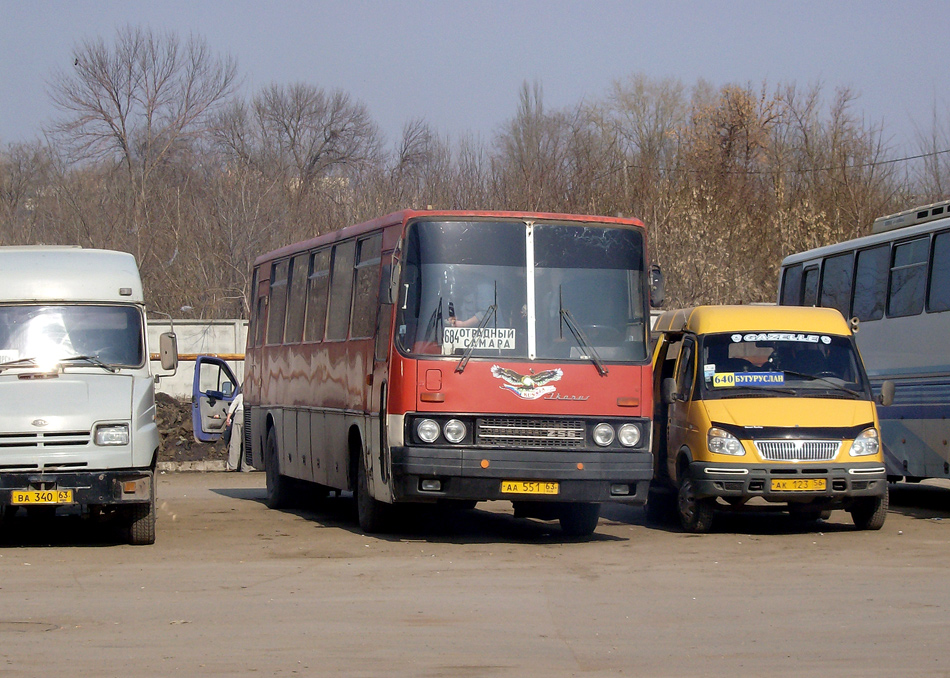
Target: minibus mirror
x,y
657,290
887,393
168,349
668,391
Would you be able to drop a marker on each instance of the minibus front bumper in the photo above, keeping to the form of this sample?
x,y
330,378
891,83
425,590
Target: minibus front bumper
x,y
432,473
787,482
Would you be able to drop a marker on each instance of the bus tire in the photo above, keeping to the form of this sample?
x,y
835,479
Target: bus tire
x,y
696,514
661,505
579,520
869,513
373,515
279,488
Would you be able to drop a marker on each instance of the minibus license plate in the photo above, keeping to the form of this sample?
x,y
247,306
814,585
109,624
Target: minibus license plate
x,y
528,487
33,497
799,485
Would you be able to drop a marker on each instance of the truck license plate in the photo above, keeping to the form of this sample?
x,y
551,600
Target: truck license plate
x,y
528,487
35,497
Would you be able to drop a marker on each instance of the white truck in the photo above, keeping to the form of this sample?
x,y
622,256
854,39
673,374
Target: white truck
x,y
77,400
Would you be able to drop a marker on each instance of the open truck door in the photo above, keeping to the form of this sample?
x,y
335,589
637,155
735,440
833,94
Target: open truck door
x,y
213,390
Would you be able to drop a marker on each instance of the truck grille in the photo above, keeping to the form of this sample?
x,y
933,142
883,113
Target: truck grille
x,y
53,439
529,433
798,450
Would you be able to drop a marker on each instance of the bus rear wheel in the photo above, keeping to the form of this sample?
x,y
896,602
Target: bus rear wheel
x,y
278,486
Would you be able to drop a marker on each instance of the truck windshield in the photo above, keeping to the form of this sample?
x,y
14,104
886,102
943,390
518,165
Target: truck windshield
x,y
458,274
45,335
738,363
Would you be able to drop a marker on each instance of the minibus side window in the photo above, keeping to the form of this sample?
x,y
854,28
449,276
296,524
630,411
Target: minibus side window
x,y
686,369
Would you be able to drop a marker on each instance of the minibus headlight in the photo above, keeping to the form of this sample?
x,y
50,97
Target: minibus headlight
x,y
427,430
866,444
112,434
454,431
629,435
720,441
603,434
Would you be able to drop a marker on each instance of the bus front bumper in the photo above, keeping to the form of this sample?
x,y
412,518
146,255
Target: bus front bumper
x,y
789,483
433,473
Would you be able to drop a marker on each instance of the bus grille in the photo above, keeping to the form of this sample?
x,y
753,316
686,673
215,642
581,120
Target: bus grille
x,y
528,433
798,450
57,439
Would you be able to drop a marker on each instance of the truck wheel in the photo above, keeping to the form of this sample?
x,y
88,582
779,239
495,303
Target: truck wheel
x,y
579,520
279,488
696,515
869,513
373,515
142,521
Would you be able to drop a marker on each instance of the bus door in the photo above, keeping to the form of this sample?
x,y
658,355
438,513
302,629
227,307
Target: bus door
x,y
213,389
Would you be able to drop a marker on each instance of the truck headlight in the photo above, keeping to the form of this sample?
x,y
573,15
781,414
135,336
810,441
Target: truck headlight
x,y
866,444
112,434
720,441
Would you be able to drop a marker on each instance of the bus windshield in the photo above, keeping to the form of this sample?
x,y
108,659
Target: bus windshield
x,y
510,289
82,334
738,364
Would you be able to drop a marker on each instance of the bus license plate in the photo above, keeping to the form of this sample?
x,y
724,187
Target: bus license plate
x,y
528,487
799,485
34,497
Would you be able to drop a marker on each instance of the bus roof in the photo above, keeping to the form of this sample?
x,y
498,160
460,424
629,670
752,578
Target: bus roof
x,y
407,215
902,225
54,274
716,319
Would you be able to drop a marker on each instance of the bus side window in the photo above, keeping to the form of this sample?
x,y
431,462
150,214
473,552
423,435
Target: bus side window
x,y
341,290
278,302
792,286
317,291
836,283
870,282
365,298
939,299
296,298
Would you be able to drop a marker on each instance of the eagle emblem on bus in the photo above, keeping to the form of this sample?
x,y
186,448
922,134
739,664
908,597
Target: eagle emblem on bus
x,y
527,386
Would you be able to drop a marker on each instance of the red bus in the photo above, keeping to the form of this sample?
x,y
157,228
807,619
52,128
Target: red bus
x,y
458,357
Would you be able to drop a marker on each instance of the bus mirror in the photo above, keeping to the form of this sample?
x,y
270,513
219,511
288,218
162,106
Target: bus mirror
x,y
657,291
855,324
168,349
887,393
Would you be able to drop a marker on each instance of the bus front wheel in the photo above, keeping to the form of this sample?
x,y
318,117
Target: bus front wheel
x,y
579,520
372,514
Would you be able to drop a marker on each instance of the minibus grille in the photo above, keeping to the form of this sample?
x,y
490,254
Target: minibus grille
x,y
529,433
57,439
798,450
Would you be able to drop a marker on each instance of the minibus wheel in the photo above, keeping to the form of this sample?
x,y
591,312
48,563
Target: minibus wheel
x,y
869,513
696,514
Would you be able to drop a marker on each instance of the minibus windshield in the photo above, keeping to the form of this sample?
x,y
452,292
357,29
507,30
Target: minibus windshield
x,y
78,335
744,363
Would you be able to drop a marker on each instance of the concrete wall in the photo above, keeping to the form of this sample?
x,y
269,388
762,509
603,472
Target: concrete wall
x,y
197,337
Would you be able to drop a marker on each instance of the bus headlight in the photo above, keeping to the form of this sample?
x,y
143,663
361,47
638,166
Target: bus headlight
x,y
112,434
427,430
454,431
866,444
603,434
629,435
723,442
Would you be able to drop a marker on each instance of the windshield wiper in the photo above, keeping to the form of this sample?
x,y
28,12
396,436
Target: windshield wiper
x,y
812,377
758,390
580,337
17,363
90,359
475,336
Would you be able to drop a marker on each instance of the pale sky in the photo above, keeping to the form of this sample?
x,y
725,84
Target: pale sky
x,y
460,65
